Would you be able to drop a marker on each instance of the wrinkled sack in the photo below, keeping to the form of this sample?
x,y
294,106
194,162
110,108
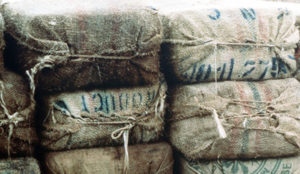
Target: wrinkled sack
x,y
202,44
233,119
79,46
100,117
146,158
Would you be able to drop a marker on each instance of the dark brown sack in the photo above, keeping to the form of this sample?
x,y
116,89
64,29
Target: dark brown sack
x,y
17,127
88,44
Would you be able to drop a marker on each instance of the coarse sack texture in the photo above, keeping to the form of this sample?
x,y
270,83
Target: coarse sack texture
x,y
202,44
20,166
17,126
145,158
89,44
288,165
260,119
89,118
2,42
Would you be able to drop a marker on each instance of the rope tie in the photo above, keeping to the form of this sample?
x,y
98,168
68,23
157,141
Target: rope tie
x,y
119,132
281,46
220,127
12,119
128,121
45,62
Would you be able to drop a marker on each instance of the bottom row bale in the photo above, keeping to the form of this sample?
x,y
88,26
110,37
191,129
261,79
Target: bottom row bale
x,y
144,158
288,165
19,166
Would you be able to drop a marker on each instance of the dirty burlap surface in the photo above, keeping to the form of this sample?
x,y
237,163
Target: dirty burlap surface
x,y
203,43
255,166
146,158
260,119
17,132
88,44
20,166
100,117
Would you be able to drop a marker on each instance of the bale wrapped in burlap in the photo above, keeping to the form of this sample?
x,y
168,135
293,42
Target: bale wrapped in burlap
x,y
288,165
146,158
18,135
17,132
19,166
260,119
2,43
88,44
91,118
202,44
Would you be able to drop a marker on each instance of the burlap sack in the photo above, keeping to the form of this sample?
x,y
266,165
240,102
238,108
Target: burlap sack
x,y
17,131
87,44
236,119
19,166
289,165
2,43
100,117
148,158
202,44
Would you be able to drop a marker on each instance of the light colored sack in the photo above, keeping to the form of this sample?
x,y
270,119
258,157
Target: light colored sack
x,y
231,119
20,166
289,165
78,46
147,158
100,117
206,43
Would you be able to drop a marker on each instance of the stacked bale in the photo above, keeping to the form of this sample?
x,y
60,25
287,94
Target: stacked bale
x,y
18,137
95,68
280,165
232,94
110,160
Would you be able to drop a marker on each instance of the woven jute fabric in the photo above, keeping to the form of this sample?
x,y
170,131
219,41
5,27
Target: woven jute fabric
x,y
202,44
2,42
18,135
88,44
234,119
275,165
92,118
147,158
20,166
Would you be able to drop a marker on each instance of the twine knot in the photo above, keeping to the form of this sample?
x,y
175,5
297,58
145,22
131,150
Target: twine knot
x,y
131,122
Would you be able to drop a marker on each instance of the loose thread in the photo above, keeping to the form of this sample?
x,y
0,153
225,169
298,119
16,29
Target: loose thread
x,y
126,158
11,129
220,128
11,120
45,62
